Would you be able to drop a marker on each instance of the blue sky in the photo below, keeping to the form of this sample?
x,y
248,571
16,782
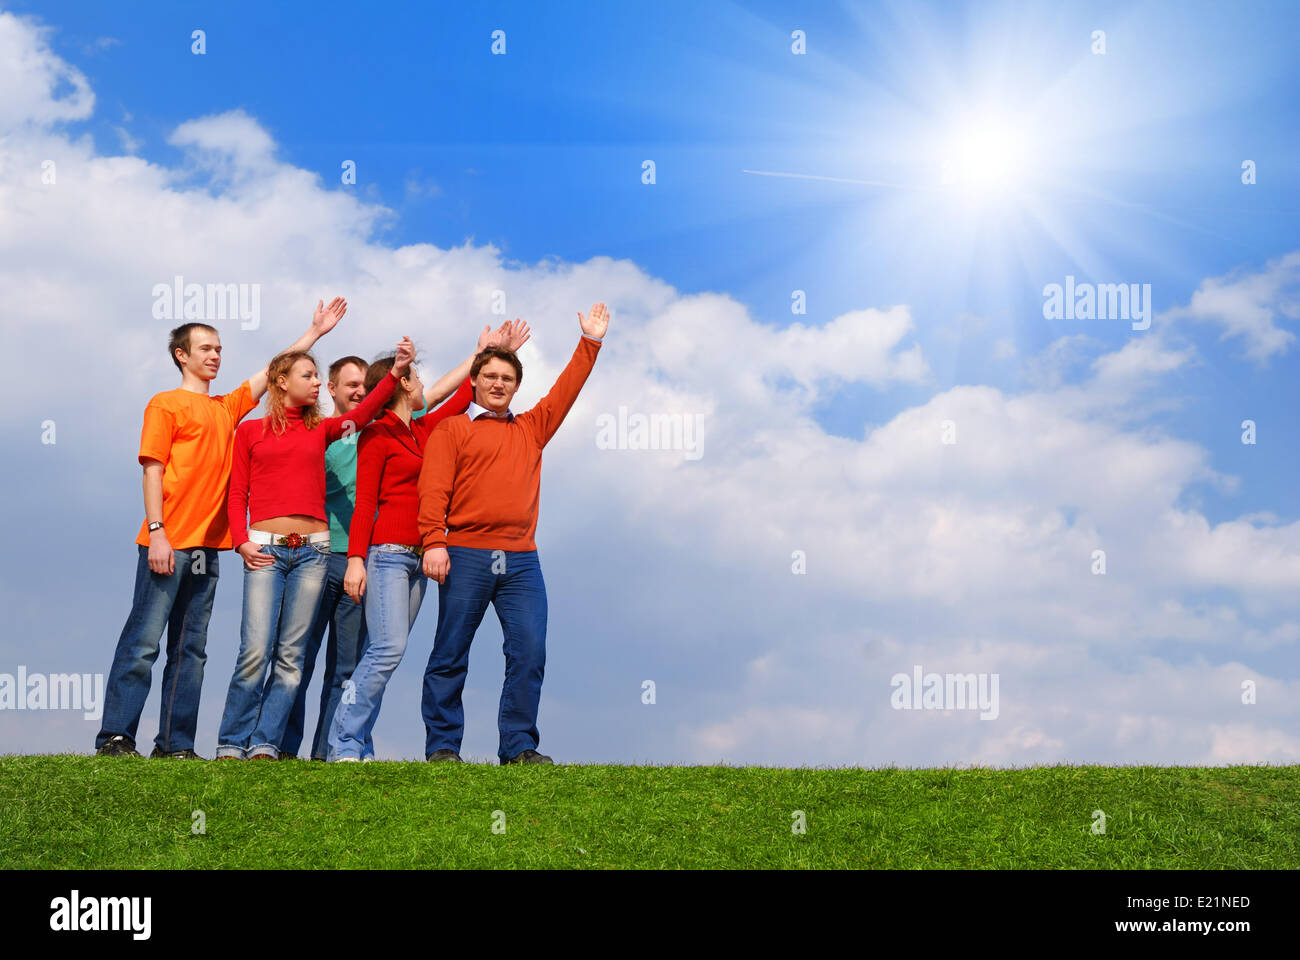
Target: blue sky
x,y
539,151
1126,168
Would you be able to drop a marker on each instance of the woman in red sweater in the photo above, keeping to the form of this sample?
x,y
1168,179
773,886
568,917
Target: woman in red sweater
x,y
277,483
383,541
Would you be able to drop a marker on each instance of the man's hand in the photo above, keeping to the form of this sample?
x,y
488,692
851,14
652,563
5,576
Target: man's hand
x,y
161,558
512,335
326,318
354,581
405,354
254,558
596,322
437,564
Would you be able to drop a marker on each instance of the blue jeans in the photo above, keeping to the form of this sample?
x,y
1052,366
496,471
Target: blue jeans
x,y
347,627
395,585
280,601
181,603
511,580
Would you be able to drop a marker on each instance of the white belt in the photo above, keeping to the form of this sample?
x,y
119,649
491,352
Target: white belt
x,y
278,539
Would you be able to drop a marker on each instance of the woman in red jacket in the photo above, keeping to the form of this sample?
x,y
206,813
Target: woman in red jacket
x,y
277,487
383,542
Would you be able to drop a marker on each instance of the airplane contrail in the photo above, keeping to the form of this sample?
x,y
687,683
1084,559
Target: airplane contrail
x,y
810,176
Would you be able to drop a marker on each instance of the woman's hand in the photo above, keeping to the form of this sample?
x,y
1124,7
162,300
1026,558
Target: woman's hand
x,y
254,558
405,354
354,581
326,318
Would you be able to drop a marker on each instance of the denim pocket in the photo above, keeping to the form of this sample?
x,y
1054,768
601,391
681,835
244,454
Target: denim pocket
x,y
321,548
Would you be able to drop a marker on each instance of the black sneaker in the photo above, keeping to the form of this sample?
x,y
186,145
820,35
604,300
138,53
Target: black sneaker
x,y
287,756
529,756
174,754
444,754
118,746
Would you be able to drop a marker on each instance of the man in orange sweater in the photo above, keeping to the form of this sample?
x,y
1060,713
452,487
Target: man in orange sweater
x,y
479,490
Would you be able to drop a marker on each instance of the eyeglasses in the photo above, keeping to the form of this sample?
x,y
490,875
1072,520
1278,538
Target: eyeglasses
x,y
505,378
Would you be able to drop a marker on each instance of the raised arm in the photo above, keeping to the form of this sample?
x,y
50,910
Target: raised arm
x,y
322,322
511,335
545,418
422,427
368,408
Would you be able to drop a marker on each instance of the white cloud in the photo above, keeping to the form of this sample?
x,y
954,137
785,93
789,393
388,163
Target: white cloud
x,y
40,89
1248,305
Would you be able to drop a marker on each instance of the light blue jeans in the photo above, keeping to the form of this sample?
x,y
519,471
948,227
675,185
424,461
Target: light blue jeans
x,y
280,601
395,584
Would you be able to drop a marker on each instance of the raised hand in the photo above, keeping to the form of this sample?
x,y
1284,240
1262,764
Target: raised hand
x,y
511,335
405,355
325,317
595,323
517,334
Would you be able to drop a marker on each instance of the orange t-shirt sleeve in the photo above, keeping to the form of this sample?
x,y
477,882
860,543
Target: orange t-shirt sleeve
x,y
156,435
239,402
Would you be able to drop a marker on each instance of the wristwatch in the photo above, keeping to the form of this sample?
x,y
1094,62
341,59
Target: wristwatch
x,y
156,525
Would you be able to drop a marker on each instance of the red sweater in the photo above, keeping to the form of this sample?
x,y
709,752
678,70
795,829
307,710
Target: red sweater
x,y
389,456
480,484
279,475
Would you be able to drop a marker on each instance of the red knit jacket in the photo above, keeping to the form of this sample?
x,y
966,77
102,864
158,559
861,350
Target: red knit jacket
x,y
276,475
389,455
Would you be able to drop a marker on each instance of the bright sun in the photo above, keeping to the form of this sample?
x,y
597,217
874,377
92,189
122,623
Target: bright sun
x,y
986,154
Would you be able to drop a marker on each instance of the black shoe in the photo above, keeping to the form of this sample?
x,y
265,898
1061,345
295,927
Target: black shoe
x,y
529,756
444,754
174,754
287,756
118,746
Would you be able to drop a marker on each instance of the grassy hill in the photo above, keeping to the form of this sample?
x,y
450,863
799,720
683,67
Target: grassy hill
x,y
78,811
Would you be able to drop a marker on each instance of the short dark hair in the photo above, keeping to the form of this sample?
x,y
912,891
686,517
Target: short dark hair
x,y
342,362
500,353
180,340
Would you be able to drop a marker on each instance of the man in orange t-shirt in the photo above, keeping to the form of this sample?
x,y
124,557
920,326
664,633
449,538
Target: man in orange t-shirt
x,y
186,447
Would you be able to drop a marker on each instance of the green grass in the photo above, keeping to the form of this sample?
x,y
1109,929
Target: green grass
x,y
84,812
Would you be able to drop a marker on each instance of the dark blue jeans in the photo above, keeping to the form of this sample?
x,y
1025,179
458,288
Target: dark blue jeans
x,y
510,580
347,641
181,603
